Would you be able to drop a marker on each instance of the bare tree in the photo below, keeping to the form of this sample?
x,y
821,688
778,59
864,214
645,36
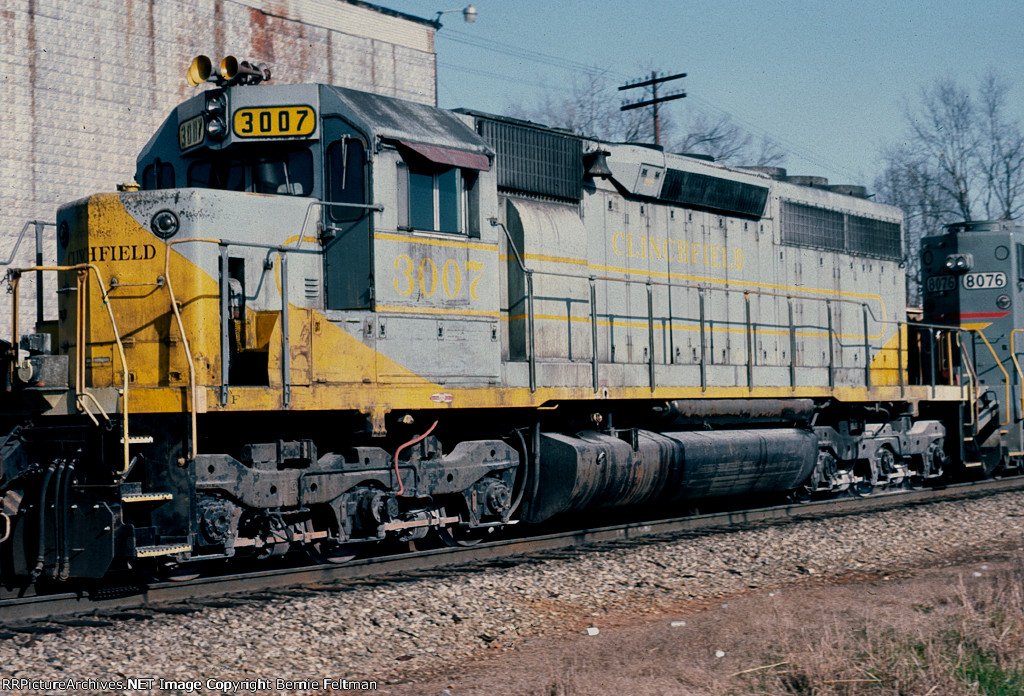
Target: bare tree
x,y
909,183
944,132
727,142
1001,157
962,159
590,107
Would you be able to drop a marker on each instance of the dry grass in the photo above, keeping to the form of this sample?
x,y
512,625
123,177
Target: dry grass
x,y
943,633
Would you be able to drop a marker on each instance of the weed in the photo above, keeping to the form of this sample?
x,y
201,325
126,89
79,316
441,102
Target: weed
x,y
981,671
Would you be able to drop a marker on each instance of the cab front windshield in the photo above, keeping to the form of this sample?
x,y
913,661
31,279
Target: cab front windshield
x,y
283,172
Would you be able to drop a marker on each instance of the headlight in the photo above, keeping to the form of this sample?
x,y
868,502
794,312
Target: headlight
x,y
215,102
216,129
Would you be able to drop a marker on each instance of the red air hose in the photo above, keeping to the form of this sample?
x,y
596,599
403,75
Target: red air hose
x,y
401,485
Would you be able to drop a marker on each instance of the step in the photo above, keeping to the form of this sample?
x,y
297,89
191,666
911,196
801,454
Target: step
x,y
139,440
145,497
161,550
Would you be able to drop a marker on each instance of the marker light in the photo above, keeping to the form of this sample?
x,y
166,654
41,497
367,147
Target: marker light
x,y
959,263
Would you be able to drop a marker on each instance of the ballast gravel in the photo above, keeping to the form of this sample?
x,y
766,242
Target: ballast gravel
x,y
364,636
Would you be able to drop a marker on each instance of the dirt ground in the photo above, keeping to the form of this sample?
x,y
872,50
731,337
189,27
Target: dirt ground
x,y
917,632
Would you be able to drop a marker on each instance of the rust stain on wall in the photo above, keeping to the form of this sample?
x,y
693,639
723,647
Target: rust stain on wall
x,y
151,36
262,39
330,57
34,85
218,28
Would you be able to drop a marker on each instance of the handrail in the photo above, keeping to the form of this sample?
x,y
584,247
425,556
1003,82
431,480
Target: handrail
x,y
184,342
531,331
1016,364
193,386
651,283
1006,375
369,207
21,236
972,388
81,404
82,270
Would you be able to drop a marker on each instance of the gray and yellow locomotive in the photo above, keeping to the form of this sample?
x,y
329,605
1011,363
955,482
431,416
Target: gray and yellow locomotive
x,y
326,318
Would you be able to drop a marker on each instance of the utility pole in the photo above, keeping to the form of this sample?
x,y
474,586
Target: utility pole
x,y
653,83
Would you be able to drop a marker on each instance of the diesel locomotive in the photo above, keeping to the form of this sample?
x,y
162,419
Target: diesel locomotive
x,y
324,318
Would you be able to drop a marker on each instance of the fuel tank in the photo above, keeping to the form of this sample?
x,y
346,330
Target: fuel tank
x,y
595,470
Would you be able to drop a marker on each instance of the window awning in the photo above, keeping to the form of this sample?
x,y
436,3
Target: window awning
x,y
449,156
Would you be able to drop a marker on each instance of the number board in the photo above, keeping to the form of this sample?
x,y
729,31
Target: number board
x,y
940,283
983,281
274,121
191,133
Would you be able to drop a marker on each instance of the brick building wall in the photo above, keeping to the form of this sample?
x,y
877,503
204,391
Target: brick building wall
x,y
86,82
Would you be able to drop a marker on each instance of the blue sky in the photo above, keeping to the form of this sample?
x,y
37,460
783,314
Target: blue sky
x,y
829,81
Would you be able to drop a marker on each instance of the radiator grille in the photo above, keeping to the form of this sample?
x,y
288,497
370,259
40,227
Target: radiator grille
x,y
810,226
530,160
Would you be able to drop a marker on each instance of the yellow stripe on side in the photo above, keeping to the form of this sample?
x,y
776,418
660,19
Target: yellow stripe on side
x,y
659,326
438,310
433,241
742,283
552,259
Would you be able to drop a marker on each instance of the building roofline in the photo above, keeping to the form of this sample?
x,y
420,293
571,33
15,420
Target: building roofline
x,y
392,13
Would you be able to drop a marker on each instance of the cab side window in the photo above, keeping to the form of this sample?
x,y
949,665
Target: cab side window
x,y
431,197
346,179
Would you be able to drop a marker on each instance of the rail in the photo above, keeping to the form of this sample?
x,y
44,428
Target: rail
x,y
81,393
972,384
19,608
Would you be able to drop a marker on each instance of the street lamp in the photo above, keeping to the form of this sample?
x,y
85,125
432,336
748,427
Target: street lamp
x,y
468,14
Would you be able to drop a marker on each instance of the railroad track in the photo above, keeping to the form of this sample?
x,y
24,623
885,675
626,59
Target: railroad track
x,y
51,613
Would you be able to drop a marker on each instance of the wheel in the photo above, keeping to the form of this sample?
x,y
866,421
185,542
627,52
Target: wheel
x,y
175,572
898,481
464,536
330,553
887,467
862,488
801,495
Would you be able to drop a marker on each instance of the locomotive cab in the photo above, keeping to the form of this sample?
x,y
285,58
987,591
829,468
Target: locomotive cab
x,y
390,192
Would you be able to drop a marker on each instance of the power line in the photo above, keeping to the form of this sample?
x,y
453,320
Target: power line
x,y
798,151
519,52
497,76
655,100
